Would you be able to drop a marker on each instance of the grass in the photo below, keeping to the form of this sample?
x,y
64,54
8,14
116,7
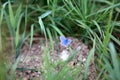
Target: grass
x,y
95,22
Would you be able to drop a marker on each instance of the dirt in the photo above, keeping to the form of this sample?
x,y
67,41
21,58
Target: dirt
x,y
31,59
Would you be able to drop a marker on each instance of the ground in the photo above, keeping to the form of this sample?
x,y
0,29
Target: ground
x,y
31,59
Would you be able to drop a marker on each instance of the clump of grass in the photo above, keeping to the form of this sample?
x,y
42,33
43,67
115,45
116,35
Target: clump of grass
x,y
113,66
65,71
13,23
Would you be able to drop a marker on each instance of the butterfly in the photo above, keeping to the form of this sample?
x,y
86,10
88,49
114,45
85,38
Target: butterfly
x,y
65,41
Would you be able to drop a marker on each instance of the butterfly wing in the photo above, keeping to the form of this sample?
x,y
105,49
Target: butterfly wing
x,y
64,41
62,38
67,42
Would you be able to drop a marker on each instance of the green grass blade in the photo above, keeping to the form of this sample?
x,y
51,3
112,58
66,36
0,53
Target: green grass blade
x,y
116,64
11,14
42,27
51,39
13,69
17,29
104,1
101,73
18,13
57,29
116,40
20,43
1,18
3,67
85,6
73,54
46,63
89,58
11,29
104,9
45,14
107,33
31,34
98,27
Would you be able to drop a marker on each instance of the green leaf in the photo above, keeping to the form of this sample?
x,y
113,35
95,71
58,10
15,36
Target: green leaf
x,y
42,27
17,30
11,29
11,16
31,34
18,12
13,69
89,58
51,39
57,29
116,64
45,14
20,43
115,39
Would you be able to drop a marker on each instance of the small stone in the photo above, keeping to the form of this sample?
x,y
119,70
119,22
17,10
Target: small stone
x,y
79,48
25,78
84,59
64,55
28,72
39,46
39,73
33,74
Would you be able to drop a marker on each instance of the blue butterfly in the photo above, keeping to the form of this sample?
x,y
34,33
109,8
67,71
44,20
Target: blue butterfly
x,y
65,41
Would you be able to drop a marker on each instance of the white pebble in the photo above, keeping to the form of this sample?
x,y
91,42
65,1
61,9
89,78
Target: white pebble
x,y
84,59
79,48
64,55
